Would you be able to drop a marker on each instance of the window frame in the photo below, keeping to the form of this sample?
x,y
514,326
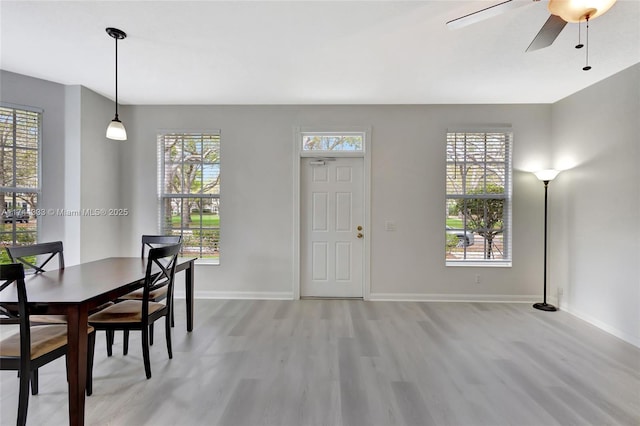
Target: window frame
x,y
507,195
163,196
14,189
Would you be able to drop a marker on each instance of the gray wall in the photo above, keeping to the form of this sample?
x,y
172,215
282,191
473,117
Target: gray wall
x,y
21,90
100,179
80,167
408,186
595,248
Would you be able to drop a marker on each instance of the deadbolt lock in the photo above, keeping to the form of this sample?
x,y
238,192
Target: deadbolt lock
x,y
359,228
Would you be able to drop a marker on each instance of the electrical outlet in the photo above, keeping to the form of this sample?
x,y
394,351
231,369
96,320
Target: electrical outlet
x,y
477,278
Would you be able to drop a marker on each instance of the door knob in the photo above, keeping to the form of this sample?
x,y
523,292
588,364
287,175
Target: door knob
x,y
360,235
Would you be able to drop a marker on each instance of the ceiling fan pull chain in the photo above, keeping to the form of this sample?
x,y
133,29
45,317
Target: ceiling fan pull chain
x,y
579,45
587,67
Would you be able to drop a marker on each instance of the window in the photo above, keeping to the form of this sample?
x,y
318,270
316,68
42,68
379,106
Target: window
x,y
478,209
332,142
20,133
189,166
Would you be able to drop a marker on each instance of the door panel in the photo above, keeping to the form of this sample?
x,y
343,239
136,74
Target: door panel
x,y
332,209
320,212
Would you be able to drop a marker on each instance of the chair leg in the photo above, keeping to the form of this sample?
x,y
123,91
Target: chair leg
x,y
110,334
173,324
167,328
34,382
90,353
23,398
151,334
125,343
145,351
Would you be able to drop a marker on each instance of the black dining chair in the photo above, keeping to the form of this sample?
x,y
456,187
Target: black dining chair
x,y
32,346
34,258
139,314
148,242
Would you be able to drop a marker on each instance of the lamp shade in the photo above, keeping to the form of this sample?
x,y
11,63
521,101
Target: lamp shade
x,y
547,175
116,130
579,10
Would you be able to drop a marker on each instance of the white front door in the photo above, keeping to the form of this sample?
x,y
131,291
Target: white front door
x,y
332,227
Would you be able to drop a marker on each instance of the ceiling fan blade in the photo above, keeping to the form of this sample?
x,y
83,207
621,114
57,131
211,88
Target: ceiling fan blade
x,y
548,33
483,14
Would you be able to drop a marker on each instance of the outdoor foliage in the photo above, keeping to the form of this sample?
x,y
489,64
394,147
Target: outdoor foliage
x,y
484,216
452,242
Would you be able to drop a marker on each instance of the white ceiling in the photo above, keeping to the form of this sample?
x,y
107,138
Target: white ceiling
x,y
310,52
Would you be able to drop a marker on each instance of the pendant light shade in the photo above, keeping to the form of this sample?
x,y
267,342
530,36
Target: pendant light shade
x,y
116,130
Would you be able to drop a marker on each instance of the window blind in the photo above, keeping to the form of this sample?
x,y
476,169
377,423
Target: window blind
x,y
189,188
20,140
478,197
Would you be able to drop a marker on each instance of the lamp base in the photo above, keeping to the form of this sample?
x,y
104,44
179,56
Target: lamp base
x,y
545,307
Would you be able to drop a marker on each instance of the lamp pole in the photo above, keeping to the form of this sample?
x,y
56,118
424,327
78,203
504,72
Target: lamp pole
x,y
545,176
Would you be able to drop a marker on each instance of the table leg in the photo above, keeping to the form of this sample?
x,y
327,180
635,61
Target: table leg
x,y
77,362
188,283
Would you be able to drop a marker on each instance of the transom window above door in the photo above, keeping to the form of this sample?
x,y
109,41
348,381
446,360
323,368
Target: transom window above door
x,y
332,142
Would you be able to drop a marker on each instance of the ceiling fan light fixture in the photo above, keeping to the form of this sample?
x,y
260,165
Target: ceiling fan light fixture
x,y
578,10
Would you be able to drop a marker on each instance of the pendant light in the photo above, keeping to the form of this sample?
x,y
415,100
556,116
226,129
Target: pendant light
x,y
116,130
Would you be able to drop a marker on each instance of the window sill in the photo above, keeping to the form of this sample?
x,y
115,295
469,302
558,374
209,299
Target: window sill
x,y
479,264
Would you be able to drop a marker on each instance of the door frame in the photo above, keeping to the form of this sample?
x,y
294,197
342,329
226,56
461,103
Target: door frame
x,y
297,208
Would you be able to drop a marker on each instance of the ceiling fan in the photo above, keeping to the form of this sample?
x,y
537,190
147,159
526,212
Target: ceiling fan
x,y
562,12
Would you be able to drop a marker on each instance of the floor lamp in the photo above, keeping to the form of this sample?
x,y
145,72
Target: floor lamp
x,y
545,176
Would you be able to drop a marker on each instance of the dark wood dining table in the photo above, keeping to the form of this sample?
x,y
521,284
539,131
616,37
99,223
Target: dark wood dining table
x,y
76,290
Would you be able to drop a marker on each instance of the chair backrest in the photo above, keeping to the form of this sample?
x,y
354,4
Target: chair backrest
x,y
42,253
152,241
13,273
161,271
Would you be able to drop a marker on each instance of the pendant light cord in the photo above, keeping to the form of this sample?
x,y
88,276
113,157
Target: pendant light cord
x,y
116,78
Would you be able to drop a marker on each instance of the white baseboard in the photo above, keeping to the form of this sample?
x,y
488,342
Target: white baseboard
x,y
397,297
421,297
633,340
257,295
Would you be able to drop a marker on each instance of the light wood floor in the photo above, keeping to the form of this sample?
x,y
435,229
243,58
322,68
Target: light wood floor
x,y
338,362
